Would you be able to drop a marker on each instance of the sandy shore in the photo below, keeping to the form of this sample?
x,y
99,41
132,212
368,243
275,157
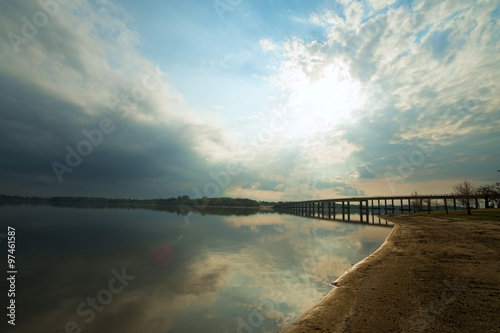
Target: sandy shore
x,y
430,275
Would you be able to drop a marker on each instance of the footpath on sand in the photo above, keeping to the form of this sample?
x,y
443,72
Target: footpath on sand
x,y
430,275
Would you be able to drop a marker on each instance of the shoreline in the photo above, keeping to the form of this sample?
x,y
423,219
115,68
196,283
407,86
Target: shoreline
x,y
429,274
360,263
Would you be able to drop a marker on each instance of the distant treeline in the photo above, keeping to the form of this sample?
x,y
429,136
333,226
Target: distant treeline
x,y
180,200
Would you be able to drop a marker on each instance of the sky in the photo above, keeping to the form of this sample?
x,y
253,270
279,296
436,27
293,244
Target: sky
x,y
269,100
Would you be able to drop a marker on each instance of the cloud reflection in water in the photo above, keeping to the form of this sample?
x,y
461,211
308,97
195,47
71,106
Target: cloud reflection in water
x,y
202,276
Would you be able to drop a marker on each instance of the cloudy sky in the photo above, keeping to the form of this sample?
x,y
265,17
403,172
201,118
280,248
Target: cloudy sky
x,y
271,100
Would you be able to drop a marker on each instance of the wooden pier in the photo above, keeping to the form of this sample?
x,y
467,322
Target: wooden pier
x,y
342,208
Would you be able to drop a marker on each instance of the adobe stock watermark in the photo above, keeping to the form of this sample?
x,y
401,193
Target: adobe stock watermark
x,y
408,164
224,6
293,279
420,321
256,318
138,93
88,308
370,30
483,90
95,137
222,179
30,27
267,309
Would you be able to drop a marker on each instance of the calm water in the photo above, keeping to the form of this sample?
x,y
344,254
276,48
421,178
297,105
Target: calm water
x,y
118,270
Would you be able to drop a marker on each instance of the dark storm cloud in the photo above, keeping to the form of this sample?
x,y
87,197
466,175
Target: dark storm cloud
x,y
83,122
36,127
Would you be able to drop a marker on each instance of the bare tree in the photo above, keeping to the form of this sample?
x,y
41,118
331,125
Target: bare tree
x,y
439,203
489,193
416,202
466,191
496,196
428,202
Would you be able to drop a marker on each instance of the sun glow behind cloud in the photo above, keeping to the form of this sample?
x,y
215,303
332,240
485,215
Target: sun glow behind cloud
x,y
327,98
310,100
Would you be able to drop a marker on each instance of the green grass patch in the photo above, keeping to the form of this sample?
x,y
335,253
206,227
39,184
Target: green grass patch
x,y
489,214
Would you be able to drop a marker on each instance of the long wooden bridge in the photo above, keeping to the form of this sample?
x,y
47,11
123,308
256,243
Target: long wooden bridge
x,y
330,208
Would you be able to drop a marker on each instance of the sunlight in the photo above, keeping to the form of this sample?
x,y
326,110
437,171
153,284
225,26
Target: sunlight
x,y
320,102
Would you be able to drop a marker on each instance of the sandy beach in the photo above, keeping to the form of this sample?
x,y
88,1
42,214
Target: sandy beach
x,y
430,275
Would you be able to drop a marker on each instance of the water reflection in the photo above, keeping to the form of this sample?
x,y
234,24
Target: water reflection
x,y
182,210
214,274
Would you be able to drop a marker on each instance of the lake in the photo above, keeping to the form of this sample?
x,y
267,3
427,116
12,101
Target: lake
x,y
138,270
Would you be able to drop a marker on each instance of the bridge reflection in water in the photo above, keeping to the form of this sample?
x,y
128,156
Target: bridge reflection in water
x,y
343,209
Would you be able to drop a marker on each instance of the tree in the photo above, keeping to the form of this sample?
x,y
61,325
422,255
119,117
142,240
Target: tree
x,y
489,193
496,196
466,191
416,202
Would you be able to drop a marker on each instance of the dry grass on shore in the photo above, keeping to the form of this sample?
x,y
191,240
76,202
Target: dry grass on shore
x,y
489,214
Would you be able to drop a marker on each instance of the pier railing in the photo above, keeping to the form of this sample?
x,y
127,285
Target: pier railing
x,y
344,207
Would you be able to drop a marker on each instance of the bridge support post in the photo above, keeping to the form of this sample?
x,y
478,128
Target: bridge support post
x,y
348,210
361,210
343,212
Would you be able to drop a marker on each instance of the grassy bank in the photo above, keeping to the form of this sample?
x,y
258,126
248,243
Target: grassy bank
x,y
489,214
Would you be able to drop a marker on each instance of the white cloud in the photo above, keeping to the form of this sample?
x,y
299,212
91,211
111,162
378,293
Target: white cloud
x,y
267,45
354,13
416,85
381,4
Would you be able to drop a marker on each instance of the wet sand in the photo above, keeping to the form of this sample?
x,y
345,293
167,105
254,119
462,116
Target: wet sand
x,y
430,275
